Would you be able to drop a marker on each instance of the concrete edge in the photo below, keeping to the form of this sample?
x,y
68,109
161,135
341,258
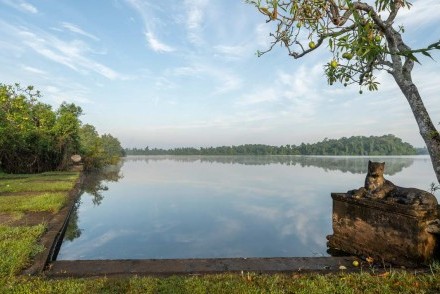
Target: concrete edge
x,y
167,267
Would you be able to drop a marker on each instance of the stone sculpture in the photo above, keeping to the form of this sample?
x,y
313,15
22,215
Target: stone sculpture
x,y
387,222
377,187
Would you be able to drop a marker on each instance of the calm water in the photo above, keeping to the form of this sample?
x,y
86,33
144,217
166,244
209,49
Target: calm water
x,y
206,207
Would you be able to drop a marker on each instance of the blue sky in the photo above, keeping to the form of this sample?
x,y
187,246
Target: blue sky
x,y
184,73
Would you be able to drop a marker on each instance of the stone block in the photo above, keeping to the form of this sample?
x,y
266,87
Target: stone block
x,y
394,233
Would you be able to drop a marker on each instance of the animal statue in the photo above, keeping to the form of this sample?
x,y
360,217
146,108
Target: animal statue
x,y
377,187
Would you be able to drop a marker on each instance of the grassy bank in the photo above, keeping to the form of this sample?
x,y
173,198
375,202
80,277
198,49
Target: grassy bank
x,y
17,246
391,282
26,201
18,243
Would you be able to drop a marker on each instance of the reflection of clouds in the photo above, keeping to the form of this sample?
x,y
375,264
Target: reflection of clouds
x,y
224,228
292,218
163,227
227,227
196,209
306,224
87,244
268,213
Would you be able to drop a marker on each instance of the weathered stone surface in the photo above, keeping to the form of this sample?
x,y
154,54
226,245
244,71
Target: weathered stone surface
x,y
388,231
76,158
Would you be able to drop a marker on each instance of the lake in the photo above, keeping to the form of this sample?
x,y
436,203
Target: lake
x,y
160,207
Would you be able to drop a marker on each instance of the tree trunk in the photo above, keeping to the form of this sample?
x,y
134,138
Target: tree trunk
x,y
427,129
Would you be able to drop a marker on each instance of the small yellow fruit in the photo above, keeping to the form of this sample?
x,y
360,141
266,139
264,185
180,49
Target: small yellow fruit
x,y
298,25
334,64
377,38
312,45
356,263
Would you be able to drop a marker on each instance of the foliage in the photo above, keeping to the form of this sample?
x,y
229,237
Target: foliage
x,y
17,246
359,145
355,145
34,138
98,150
359,36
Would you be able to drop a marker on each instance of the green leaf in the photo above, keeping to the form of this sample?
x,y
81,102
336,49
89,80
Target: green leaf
x,y
413,58
427,54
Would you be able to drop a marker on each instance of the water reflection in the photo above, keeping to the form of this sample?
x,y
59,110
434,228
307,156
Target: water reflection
x,y
219,206
94,184
352,164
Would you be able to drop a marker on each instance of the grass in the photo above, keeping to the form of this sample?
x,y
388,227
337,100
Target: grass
x,y
50,181
34,185
52,202
17,246
28,193
392,282
60,176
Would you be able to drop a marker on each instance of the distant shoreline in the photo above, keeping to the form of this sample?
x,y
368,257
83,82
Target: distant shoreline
x,y
353,146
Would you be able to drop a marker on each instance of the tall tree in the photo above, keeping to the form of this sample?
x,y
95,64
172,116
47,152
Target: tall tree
x,y
363,39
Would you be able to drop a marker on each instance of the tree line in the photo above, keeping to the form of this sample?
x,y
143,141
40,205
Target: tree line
x,y
35,138
355,145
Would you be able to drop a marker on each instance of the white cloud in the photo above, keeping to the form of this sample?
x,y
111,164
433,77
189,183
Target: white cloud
x,y
22,6
28,7
157,45
144,8
224,79
60,92
76,29
422,12
194,19
72,54
295,95
34,70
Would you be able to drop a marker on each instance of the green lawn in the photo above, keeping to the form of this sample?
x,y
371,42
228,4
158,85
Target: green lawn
x,y
20,194
52,202
234,283
17,246
18,185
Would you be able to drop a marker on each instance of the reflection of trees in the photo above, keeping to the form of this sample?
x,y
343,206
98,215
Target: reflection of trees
x,y
72,230
355,165
94,182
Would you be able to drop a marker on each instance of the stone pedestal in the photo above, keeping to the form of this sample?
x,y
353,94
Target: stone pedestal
x,y
390,232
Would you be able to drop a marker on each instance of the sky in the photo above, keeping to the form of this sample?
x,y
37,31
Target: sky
x,y
173,73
